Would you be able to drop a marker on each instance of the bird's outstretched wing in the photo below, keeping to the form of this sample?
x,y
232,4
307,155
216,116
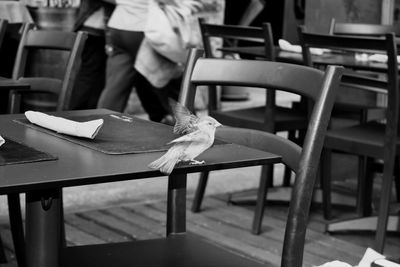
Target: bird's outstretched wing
x,y
195,136
186,121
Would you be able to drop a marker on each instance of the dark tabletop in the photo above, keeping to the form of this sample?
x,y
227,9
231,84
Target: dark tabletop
x,y
80,165
343,59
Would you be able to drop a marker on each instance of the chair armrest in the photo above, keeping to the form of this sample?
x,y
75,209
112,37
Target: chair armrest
x,y
14,98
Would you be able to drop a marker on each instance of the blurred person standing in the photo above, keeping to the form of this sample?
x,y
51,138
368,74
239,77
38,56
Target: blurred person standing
x,y
92,18
125,34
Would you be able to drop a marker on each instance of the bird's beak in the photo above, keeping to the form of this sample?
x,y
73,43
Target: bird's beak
x,y
218,124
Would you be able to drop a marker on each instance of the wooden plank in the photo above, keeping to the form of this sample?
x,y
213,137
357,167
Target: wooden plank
x,y
122,228
78,237
93,228
152,214
150,228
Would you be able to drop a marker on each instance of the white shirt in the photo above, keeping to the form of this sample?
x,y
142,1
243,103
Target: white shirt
x,y
129,15
96,20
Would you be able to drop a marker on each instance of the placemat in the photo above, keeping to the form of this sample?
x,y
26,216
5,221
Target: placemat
x,y
12,152
118,136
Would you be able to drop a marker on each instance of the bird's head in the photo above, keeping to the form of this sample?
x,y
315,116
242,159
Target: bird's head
x,y
208,122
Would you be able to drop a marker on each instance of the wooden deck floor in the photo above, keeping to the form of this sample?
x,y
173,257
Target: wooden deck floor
x,y
226,225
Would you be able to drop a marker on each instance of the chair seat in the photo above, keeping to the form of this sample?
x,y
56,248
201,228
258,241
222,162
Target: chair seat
x,y
285,118
178,251
364,139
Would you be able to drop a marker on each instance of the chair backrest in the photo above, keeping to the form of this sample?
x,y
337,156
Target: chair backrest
x,y
313,84
58,52
233,35
386,45
3,28
362,29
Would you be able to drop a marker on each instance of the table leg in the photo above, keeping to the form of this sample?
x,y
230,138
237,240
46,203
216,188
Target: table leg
x,y
17,227
176,205
43,210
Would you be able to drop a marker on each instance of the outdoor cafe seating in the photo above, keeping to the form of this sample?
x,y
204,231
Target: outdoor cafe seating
x,y
346,86
369,138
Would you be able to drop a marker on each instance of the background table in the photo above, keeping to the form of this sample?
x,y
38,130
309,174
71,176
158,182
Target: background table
x,y
335,58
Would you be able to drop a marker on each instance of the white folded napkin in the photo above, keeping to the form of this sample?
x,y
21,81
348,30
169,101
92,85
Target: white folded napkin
x,y
87,129
377,58
286,46
2,141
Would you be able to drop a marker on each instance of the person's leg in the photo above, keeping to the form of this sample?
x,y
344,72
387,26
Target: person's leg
x,y
91,76
162,104
150,99
120,73
171,90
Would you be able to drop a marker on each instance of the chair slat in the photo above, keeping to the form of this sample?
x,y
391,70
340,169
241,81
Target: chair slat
x,y
263,74
50,39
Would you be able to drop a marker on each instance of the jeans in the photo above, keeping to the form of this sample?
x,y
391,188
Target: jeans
x,y
121,77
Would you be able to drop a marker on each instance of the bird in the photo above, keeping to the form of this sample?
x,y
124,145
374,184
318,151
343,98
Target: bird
x,y
197,135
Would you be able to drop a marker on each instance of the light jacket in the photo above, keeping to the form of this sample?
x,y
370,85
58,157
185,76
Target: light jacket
x,y
157,69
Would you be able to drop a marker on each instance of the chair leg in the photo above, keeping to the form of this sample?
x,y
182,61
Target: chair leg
x,y
17,229
397,178
261,199
325,179
384,205
199,194
365,184
269,171
3,258
287,175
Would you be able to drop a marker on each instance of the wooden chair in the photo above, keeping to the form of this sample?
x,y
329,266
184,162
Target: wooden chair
x,y
270,118
373,139
60,88
279,76
48,61
364,30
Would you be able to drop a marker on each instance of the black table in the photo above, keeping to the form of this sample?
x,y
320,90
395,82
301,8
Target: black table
x,y
79,165
334,58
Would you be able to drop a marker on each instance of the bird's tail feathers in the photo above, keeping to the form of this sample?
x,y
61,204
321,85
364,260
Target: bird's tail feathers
x,y
165,164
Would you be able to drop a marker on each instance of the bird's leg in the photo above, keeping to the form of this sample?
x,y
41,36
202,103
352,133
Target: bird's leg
x,y
196,162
